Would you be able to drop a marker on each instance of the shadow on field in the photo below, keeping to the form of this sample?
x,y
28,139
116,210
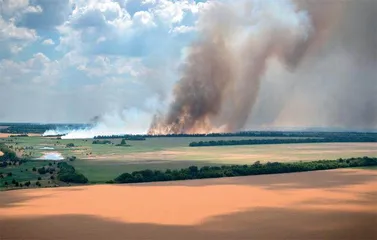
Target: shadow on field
x,y
315,179
15,197
263,223
362,199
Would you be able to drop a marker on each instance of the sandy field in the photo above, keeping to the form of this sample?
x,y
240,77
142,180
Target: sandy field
x,y
1,153
336,204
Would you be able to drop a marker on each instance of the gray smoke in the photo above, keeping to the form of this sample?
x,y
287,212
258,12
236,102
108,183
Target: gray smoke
x,y
336,84
278,63
222,75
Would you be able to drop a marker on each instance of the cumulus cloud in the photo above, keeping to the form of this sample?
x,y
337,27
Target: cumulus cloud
x,y
13,38
16,8
39,70
106,27
48,42
46,14
183,29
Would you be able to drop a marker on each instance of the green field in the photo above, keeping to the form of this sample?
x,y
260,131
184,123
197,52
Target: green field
x,y
24,172
100,163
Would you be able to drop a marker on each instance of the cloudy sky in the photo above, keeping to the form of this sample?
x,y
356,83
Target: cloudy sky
x,y
70,60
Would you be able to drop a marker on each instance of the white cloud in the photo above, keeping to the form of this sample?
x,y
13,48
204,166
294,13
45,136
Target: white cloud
x,y
111,66
39,70
11,7
105,26
183,29
10,31
48,42
144,18
45,14
13,39
110,57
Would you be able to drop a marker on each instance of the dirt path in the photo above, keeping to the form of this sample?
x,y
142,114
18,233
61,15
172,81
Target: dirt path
x,y
338,204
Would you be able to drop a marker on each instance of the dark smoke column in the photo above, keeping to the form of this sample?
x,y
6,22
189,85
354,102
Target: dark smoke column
x,y
222,74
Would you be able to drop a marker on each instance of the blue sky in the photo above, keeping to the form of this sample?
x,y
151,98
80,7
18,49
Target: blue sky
x,y
70,60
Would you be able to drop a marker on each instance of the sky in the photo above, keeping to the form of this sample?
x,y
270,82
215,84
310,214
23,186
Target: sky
x,y
72,60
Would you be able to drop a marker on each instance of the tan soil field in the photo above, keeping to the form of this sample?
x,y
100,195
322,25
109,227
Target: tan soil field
x,y
6,135
336,204
1,153
250,154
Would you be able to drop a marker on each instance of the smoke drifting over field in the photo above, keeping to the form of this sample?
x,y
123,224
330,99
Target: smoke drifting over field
x,y
130,121
223,73
267,64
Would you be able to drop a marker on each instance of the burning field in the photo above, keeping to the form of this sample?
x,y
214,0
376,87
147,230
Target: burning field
x,y
338,204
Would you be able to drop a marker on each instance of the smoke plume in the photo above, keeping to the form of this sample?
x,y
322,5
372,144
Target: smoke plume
x,y
221,77
264,64
223,73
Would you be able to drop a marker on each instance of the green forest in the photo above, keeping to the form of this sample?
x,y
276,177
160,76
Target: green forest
x,y
257,168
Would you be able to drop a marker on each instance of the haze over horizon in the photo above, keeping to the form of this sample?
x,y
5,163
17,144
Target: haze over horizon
x,y
215,65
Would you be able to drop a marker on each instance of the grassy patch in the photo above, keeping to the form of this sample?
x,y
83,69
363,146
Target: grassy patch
x,y
24,172
102,171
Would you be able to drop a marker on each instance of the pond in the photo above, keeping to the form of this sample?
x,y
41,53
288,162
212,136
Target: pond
x,y
52,156
47,148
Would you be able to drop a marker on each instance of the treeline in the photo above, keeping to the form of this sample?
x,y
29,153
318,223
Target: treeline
x,y
297,134
257,168
8,154
23,128
351,136
101,142
125,137
19,135
68,174
281,141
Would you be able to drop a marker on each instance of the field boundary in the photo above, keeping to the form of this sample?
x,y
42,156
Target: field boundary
x,y
257,168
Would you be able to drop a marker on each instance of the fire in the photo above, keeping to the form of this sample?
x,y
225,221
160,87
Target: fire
x,y
182,125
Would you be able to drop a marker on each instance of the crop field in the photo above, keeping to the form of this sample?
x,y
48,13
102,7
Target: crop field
x,y
342,201
102,162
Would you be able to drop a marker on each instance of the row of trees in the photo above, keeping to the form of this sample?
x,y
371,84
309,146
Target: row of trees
x,y
126,137
302,134
101,142
68,174
281,141
19,135
257,168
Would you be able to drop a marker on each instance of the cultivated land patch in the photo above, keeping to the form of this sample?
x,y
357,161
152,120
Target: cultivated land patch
x,y
248,154
103,162
344,202
6,135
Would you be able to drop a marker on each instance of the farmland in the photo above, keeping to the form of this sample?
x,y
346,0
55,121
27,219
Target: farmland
x,y
102,162
342,201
